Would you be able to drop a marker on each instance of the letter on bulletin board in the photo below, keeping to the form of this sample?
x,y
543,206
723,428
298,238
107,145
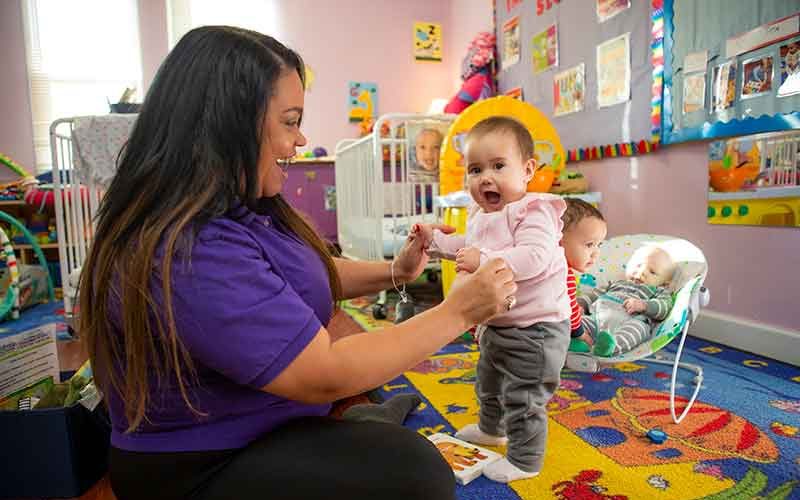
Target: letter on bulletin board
x,y
427,41
362,101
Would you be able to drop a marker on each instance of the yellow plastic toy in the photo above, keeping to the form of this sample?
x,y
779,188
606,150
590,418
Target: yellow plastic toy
x,y
548,152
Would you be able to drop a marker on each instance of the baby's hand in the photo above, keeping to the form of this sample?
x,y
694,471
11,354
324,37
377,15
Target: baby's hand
x,y
424,232
633,306
468,260
586,338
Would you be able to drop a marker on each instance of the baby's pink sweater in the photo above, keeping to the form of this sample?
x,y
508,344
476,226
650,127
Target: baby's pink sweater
x,y
526,234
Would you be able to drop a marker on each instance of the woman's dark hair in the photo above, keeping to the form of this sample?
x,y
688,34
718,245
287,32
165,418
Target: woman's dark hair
x,y
191,156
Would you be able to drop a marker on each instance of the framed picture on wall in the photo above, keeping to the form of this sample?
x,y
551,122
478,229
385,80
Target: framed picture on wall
x,y
756,77
614,71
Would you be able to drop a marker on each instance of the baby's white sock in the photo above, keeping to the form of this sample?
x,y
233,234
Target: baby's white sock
x,y
504,471
473,434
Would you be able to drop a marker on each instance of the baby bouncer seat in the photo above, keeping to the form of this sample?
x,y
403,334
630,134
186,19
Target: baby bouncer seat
x,y
689,297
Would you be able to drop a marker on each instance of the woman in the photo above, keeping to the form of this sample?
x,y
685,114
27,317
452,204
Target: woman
x,y
204,300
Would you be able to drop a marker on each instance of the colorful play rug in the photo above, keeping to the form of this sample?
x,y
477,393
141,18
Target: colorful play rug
x,y
38,315
740,441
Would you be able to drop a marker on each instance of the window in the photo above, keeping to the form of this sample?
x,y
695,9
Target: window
x,y
258,15
81,56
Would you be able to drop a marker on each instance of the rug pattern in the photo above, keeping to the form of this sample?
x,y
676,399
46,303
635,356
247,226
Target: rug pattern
x,y
740,440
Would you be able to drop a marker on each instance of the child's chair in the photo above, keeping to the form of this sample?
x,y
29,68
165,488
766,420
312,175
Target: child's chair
x,y
688,291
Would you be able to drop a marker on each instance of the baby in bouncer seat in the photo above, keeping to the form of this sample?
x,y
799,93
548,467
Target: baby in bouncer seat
x,y
622,313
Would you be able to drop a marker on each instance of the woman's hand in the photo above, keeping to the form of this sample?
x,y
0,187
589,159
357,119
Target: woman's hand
x,y
412,258
479,296
468,260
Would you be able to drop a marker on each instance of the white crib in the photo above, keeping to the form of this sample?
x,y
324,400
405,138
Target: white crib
x,y
377,201
76,202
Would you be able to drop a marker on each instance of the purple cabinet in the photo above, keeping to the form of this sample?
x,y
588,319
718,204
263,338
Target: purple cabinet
x,y
311,189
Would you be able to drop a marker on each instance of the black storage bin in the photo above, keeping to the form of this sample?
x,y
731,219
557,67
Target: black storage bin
x,y
55,452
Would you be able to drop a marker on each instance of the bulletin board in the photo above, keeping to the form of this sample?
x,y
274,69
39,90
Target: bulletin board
x,y
732,68
599,126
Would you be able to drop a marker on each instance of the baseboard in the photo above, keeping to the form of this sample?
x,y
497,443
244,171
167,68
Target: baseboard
x,y
770,341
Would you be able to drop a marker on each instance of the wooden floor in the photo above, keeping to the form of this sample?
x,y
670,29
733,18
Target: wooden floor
x,y
72,354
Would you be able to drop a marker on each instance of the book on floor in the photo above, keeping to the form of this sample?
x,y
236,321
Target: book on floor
x,y
466,459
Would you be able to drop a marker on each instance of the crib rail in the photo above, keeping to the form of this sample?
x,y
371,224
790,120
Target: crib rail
x,y
76,203
376,196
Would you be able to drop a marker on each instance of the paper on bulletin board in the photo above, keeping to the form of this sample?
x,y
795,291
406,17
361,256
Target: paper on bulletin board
x,y
606,9
544,49
511,42
790,69
614,71
569,90
696,61
510,4
26,359
723,87
516,93
362,101
694,92
427,41
757,76
762,36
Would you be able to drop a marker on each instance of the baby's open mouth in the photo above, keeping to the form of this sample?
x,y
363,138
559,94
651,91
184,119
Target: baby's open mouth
x,y
491,197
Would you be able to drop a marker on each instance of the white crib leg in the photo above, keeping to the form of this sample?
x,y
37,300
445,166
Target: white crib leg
x,y
696,369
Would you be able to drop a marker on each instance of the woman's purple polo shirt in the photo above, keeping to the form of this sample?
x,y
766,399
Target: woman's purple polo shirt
x,y
251,298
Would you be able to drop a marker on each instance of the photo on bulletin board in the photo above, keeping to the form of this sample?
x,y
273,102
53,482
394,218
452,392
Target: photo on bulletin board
x,y
614,71
606,9
516,93
569,90
510,4
425,147
544,49
755,180
362,101
756,77
694,92
790,69
723,86
427,41
511,42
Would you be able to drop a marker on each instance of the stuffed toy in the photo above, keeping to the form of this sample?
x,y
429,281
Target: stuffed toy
x,y
476,73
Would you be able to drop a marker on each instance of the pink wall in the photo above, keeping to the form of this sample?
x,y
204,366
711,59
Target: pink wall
x,y
342,41
16,129
467,18
152,37
354,40
753,271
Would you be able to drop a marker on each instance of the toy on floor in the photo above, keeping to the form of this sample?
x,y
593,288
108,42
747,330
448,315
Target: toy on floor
x,y
656,436
10,306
